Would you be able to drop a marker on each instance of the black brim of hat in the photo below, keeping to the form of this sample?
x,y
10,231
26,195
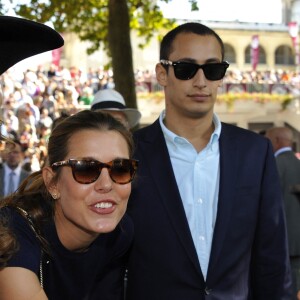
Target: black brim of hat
x,y
22,38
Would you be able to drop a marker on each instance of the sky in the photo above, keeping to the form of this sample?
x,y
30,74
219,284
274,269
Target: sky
x,y
261,11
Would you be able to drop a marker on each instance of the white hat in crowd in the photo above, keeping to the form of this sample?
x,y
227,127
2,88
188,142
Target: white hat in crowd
x,y
109,99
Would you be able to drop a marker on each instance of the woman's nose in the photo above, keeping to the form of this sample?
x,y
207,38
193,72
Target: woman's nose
x,y
104,181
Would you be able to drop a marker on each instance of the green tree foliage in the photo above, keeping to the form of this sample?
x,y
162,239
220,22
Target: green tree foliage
x,y
107,23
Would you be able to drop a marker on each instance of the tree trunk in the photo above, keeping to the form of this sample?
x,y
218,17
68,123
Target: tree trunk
x,y
121,51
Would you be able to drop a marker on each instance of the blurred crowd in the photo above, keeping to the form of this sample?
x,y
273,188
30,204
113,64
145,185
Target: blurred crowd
x,y
33,100
278,76
263,77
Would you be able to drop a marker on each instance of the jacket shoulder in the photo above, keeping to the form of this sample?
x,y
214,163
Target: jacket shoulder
x,y
233,130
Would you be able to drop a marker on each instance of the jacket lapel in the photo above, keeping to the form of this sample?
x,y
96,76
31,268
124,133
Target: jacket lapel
x,y
23,176
228,173
1,181
157,158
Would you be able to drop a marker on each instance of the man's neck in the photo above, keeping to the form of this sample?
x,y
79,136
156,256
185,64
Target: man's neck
x,y
196,131
13,168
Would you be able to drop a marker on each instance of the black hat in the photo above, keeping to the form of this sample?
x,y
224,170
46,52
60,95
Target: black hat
x,y
21,38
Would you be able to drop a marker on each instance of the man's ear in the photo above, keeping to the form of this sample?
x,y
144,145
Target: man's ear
x,y
161,74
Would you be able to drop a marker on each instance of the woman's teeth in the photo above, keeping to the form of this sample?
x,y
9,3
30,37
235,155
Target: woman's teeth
x,y
103,205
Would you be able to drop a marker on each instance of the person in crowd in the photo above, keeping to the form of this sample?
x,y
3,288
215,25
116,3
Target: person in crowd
x,y
69,220
87,96
12,123
207,207
45,120
289,173
50,104
12,172
111,101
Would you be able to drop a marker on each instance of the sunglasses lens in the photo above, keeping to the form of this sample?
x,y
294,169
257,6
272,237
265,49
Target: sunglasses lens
x,y
214,71
185,71
122,171
86,171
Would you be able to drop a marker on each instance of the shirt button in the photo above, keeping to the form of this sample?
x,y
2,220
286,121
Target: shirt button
x,y
201,238
200,201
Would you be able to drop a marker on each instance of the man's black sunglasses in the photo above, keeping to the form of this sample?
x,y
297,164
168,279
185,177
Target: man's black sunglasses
x,y
187,70
85,171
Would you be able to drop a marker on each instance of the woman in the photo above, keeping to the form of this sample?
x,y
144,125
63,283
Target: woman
x,y
20,38
68,221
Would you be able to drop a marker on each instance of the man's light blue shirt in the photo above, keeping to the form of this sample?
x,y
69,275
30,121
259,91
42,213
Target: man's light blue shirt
x,y
16,178
197,176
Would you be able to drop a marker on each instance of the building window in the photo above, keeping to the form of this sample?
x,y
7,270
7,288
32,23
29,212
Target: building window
x,y
284,56
230,55
262,55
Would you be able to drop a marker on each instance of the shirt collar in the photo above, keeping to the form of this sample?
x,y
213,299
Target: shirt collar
x,y
281,150
173,138
8,170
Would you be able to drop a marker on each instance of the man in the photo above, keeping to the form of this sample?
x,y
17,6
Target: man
x,y
11,171
112,102
208,215
289,173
